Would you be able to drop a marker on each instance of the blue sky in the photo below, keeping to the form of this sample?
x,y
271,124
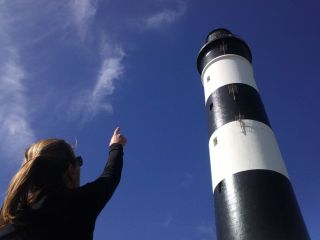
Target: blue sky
x,y
77,69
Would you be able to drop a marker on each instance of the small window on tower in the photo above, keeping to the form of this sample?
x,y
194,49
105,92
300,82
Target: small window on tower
x,y
211,106
208,78
215,141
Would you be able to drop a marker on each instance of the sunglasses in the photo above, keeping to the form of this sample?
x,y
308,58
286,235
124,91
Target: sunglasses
x,y
79,160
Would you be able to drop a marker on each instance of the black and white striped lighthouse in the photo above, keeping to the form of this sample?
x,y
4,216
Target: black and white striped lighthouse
x,y
253,196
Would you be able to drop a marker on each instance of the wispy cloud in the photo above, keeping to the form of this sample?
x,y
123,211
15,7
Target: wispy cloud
x,y
35,20
165,16
90,102
167,221
60,22
15,130
83,12
93,100
206,231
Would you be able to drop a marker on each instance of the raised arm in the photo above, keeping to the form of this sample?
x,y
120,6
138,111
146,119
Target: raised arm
x,y
92,197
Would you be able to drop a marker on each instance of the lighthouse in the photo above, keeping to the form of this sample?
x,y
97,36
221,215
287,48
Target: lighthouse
x,y
253,196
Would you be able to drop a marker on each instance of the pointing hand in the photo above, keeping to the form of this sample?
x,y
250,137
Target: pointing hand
x,y
118,138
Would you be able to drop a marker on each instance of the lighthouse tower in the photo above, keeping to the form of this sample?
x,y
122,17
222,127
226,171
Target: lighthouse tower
x,y
253,196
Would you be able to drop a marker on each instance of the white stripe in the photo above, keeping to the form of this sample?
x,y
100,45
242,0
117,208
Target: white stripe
x,y
240,146
226,69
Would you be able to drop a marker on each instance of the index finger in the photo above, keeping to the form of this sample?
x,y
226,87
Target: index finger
x,y
116,131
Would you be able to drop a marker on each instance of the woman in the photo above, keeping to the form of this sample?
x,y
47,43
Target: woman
x,y
44,199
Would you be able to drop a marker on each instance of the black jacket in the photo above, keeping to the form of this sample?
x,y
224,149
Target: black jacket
x,y
70,213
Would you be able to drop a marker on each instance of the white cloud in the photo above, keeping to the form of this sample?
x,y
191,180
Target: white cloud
x,y
15,129
55,20
35,20
90,102
168,220
166,16
206,231
83,12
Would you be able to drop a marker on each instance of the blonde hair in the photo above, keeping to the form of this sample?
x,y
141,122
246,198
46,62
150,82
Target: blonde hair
x,y
43,169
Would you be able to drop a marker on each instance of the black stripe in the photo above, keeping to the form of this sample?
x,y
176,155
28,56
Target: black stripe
x,y
257,205
233,101
222,46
